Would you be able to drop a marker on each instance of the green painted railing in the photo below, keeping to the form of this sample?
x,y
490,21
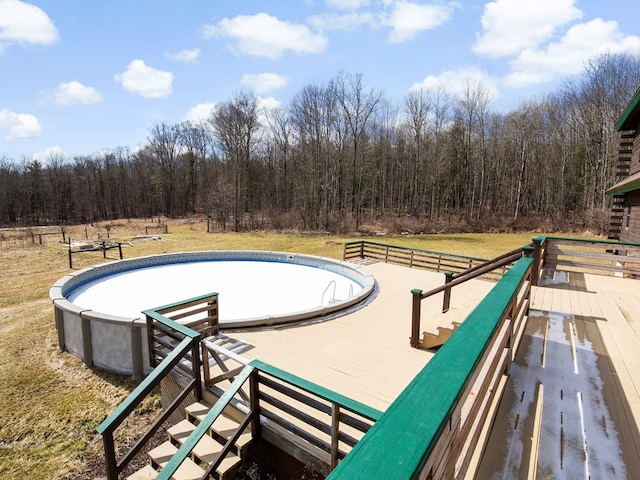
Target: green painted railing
x,y
107,428
424,432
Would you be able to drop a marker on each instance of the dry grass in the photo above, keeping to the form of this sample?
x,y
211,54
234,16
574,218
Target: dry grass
x,y
51,404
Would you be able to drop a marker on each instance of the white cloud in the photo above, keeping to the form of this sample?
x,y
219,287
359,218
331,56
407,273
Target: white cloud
x,y
146,81
20,125
347,4
185,56
200,113
75,93
346,21
510,26
408,19
264,82
570,54
457,82
25,24
51,153
263,35
267,103
264,105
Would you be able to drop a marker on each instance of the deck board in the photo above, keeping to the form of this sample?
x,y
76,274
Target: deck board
x,y
602,313
366,355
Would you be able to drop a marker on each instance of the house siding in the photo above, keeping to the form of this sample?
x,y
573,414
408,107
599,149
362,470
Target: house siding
x,y
631,219
635,154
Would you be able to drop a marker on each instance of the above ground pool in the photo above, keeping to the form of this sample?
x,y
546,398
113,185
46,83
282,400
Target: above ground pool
x,y
99,309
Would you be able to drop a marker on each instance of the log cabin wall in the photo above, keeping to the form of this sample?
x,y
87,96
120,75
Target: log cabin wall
x,y
631,220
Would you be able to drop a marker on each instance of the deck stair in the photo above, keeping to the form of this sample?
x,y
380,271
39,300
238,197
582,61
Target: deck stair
x,y
204,453
432,340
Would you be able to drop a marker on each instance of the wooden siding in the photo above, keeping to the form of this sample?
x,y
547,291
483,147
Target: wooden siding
x,y
635,154
631,233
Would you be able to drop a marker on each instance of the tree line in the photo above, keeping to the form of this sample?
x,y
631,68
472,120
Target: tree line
x,y
343,157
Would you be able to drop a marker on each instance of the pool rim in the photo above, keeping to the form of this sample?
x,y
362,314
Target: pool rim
x,y
64,286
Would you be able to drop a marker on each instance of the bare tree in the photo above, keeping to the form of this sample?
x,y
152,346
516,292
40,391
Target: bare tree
x,y
235,125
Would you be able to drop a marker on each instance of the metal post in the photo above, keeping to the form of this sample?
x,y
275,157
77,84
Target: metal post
x,y
415,317
120,249
448,276
70,261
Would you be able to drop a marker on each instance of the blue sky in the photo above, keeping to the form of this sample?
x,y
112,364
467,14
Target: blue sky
x,y
79,77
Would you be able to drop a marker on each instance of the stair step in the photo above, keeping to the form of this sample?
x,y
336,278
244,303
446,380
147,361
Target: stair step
x,y
161,455
206,450
145,473
223,428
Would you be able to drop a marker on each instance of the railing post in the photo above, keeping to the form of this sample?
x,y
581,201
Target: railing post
x,y
448,276
362,249
537,258
415,317
335,434
254,398
195,365
110,455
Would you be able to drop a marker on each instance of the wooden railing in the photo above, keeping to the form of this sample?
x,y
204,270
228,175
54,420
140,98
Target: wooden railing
x,y
280,407
498,263
433,430
298,408
205,425
415,258
588,256
186,347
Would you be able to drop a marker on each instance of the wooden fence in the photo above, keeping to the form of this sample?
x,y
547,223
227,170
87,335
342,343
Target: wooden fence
x,y
588,256
415,258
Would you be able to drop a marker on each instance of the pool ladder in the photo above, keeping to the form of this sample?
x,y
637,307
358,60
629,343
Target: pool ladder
x,y
333,297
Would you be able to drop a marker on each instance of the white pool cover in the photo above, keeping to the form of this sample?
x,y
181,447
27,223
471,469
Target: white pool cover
x,y
247,289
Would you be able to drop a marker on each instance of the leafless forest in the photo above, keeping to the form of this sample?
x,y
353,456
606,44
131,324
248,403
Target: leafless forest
x,y
342,157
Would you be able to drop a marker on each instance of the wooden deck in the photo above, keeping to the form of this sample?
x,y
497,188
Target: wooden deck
x,y
572,406
573,401
366,355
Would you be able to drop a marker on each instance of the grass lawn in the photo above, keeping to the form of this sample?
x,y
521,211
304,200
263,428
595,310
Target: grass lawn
x,y
51,404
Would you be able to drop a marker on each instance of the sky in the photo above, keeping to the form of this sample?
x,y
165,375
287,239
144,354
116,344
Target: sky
x,y
78,77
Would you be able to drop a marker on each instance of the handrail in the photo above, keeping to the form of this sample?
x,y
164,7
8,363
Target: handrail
x,y
203,427
432,427
332,282
354,406
186,347
115,419
474,272
336,404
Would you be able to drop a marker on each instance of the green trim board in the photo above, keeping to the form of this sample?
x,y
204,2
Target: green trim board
x,y
629,113
400,442
629,184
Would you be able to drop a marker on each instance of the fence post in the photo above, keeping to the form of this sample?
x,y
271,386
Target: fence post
x,y
362,249
415,317
448,276
70,260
